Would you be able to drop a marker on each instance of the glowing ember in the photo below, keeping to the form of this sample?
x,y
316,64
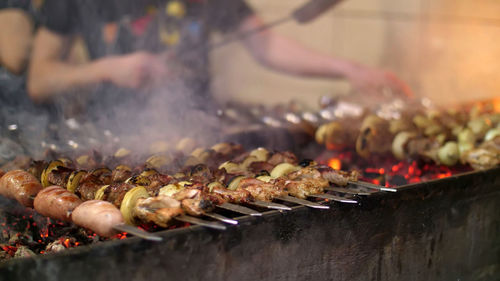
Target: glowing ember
x,y
66,243
335,163
389,172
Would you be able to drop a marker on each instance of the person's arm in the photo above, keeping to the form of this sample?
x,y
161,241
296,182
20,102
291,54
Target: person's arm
x,y
288,56
50,74
16,34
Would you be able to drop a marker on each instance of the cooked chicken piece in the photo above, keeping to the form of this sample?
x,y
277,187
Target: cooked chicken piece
x,y
305,187
194,201
261,190
337,177
239,195
160,209
482,158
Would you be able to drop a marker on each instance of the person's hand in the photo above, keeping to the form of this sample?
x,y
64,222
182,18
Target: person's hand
x,y
378,84
136,70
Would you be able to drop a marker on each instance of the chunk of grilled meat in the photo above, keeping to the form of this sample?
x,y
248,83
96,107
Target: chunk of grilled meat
x,y
121,173
220,195
194,201
258,166
159,209
283,157
115,192
157,181
304,182
59,176
261,190
89,184
337,177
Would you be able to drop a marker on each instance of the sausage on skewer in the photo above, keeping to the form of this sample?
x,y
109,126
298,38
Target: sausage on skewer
x,y
21,186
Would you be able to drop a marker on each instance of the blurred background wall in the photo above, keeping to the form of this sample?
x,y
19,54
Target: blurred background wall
x,y
447,50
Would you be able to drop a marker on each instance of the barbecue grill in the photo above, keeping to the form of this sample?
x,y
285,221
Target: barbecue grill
x,y
444,229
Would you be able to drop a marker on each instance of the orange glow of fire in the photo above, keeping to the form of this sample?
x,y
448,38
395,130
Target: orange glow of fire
x,y
335,163
121,236
66,243
496,105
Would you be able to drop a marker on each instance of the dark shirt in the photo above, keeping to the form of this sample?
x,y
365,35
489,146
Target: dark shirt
x,y
146,25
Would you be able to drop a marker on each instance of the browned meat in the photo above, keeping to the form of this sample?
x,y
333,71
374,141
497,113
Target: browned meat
x,y
103,174
239,195
59,176
303,182
160,209
420,147
257,167
98,216
197,206
261,190
157,181
283,157
114,193
36,168
337,177
20,185
194,201
56,202
121,174
88,186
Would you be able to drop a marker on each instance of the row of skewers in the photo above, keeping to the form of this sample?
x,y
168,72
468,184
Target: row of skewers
x,y
449,137
108,201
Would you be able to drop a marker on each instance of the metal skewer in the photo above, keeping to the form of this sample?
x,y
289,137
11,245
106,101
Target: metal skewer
x,y
294,200
197,221
334,198
221,218
270,205
346,191
373,186
137,232
239,209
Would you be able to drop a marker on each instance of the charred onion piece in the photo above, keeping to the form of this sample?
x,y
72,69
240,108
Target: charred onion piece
x,y
74,180
448,154
260,153
52,166
283,169
129,202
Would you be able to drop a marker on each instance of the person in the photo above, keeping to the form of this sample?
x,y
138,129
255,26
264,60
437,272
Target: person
x,y
162,46
123,36
18,131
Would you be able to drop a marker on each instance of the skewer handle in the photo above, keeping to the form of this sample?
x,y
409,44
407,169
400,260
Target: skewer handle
x,y
137,232
303,202
197,221
239,209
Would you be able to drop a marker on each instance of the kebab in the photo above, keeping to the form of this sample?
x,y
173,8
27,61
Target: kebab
x,y
193,196
97,185
55,202
190,198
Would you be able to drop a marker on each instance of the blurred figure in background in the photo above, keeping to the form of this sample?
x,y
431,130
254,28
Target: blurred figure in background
x,y
149,61
19,117
128,40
